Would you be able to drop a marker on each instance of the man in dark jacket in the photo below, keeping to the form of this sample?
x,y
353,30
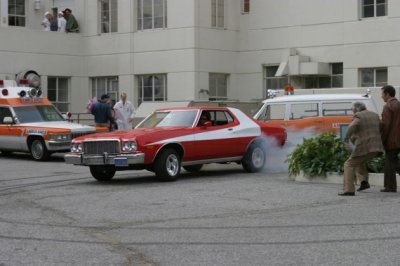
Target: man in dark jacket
x,y
364,133
102,112
390,137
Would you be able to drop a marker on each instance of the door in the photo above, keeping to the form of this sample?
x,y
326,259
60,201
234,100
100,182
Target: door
x,y
305,116
216,138
10,135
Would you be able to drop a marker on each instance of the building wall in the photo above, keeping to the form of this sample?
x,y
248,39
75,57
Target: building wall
x,y
189,48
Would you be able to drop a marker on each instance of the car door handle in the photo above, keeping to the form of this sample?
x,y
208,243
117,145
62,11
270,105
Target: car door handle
x,y
230,129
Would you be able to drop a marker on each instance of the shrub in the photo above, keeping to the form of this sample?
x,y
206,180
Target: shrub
x,y
318,155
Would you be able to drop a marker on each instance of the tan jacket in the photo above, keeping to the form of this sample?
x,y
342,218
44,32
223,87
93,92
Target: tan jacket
x,y
364,132
391,124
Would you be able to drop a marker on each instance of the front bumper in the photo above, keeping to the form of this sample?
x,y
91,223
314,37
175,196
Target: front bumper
x,y
105,159
58,145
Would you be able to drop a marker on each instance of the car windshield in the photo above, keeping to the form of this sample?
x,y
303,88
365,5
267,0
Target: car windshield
x,y
176,118
37,113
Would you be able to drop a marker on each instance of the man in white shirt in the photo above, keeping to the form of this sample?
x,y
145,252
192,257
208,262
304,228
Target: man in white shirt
x,y
61,21
124,113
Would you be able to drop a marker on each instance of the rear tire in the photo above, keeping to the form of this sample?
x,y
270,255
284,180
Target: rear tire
x,y
254,159
193,168
102,173
39,150
167,165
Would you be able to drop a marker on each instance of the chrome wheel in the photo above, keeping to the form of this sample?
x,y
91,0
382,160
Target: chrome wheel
x,y
39,150
258,158
172,165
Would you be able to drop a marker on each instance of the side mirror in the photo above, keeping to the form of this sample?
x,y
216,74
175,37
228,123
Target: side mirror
x,y
8,120
207,124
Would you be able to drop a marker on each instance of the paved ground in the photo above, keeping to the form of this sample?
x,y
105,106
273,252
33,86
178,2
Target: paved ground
x,y
53,213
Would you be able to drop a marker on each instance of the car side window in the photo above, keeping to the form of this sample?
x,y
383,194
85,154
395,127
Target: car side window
x,y
222,118
4,112
303,110
337,109
274,112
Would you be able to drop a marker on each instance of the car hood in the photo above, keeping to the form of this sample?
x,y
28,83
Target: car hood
x,y
142,135
74,127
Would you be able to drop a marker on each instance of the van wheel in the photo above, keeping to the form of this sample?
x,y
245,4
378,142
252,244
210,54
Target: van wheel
x,y
102,173
254,159
39,151
167,165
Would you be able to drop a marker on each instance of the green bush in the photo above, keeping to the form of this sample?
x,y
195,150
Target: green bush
x,y
376,165
318,155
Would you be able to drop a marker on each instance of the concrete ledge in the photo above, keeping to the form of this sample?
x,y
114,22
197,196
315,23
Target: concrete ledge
x,y
335,178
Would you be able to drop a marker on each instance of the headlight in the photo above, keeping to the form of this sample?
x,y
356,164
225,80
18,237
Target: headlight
x,y
76,147
129,146
60,137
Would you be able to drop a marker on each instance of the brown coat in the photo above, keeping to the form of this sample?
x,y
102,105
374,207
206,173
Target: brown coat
x,y
364,132
391,124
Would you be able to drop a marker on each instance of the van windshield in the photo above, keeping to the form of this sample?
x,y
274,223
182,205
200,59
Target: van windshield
x,y
37,113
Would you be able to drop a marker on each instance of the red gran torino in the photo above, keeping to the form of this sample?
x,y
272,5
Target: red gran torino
x,y
172,138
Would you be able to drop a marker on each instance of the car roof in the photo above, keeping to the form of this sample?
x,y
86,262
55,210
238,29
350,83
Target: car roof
x,y
316,97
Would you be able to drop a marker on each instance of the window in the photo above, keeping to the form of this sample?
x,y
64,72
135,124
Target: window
x,y
274,112
373,77
335,80
337,109
152,88
16,13
373,8
58,92
4,112
108,16
245,6
152,14
303,110
108,85
217,13
218,86
272,82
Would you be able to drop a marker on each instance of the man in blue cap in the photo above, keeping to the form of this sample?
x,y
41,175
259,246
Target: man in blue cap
x,y
102,112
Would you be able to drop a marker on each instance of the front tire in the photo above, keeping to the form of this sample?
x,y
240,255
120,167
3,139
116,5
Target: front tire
x,y
39,151
167,165
193,168
102,173
254,159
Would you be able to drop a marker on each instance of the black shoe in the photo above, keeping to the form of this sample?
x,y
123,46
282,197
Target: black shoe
x,y
388,190
364,185
347,194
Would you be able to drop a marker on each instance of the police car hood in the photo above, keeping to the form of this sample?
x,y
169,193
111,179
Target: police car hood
x,y
74,127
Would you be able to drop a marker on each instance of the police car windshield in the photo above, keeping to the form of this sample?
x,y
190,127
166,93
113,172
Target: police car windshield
x,y
37,113
177,118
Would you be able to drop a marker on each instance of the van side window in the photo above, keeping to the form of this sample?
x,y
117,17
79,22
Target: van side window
x,y
303,110
274,112
337,109
4,112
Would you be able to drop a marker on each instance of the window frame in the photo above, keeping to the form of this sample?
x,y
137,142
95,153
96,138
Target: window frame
x,y
375,84
284,79
375,6
15,15
140,84
140,18
112,22
218,87
108,87
215,15
57,101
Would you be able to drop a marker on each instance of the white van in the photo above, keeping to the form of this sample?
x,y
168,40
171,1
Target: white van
x,y
321,112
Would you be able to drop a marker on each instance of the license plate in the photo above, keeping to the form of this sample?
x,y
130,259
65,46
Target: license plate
x,y
121,161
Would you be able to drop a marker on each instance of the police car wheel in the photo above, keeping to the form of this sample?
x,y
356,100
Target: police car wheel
x,y
254,159
102,173
39,151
